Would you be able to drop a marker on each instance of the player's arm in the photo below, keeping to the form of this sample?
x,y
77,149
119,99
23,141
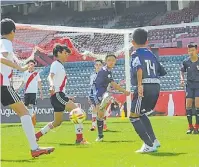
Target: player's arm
x,y
182,72
137,67
9,63
119,88
40,86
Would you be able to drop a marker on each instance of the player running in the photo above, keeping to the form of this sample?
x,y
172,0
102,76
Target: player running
x,y
31,81
8,95
101,83
60,102
145,72
191,67
98,66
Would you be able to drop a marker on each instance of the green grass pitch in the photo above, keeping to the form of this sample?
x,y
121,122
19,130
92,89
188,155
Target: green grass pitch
x,y
118,149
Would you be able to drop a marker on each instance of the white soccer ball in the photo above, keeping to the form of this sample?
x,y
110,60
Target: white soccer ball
x,y
77,116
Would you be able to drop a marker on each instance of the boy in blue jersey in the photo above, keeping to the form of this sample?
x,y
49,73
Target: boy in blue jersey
x,y
103,80
145,73
191,66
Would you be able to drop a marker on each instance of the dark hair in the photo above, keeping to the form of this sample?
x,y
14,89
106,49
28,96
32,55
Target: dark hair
x,y
192,45
140,36
110,55
60,48
31,61
99,60
7,26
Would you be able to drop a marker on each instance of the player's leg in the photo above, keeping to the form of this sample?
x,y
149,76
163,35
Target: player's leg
x,y
105,128
149,102
196,129
70,105
59,107
138,125
11,98
189,106
94,113
101,106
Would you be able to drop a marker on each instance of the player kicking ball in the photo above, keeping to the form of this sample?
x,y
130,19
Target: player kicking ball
x,y
98,65
31,81
60,102
145,73
8,95
191,66
101,83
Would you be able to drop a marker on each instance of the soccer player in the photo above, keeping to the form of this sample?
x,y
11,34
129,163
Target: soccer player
x,y
32,82
8,95
191,66
103,80
60,102
145,72
98,66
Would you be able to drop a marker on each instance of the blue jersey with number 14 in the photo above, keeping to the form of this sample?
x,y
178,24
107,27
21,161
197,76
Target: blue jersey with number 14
x,y
144,59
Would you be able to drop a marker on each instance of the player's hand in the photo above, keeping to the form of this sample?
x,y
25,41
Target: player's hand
x,y
182,83
127,93
52,90
140,91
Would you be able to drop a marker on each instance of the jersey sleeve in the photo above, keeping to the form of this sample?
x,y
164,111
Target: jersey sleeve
x,y
183,67
6,46
136,63
53,69
161,70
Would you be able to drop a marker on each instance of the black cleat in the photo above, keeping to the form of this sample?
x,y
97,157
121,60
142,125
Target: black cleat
x,y
190,130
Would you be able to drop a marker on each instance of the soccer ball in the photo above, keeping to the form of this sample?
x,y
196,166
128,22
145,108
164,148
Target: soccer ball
x,y
77,116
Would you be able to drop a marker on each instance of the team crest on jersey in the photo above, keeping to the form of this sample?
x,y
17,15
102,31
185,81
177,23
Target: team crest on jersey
x,y
197,67
109,75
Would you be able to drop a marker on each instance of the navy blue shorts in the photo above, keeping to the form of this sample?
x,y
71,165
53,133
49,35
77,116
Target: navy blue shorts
x,y
141,105
192,92
95,99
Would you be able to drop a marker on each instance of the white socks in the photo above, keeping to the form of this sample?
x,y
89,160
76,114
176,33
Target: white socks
x,y
29,131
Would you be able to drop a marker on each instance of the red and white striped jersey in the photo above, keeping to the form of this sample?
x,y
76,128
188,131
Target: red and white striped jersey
x,y
31,80
60,78
6,71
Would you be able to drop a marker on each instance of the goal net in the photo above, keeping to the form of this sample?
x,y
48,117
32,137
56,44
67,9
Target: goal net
x,y
87,44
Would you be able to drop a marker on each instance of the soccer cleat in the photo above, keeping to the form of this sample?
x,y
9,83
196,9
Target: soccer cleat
x,y
82,142
93,128
196,131
190,130
38,135
41,151
146,149
156,143
105,128
99,139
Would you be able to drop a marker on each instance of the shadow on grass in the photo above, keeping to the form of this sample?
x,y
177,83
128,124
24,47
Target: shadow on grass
x,y
166,154
119,141
20,160
8,126
112,131
61,144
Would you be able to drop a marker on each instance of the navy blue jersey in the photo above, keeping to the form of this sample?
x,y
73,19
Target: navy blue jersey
x,y
144,59
192,69
102,81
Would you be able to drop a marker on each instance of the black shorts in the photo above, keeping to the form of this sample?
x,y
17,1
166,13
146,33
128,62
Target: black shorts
x,y
30,98
9,96
59,101
141,105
